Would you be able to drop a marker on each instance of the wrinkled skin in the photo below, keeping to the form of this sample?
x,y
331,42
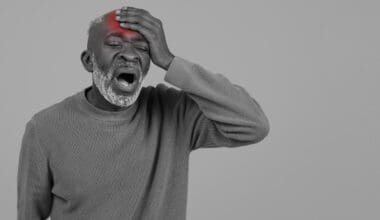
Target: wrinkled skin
x,y
130,36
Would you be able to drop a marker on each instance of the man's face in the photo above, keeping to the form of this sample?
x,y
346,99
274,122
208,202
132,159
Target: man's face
x,y
121,61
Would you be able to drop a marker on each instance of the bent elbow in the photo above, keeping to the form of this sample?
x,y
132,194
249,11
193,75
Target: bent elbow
x,y
264,131
260,131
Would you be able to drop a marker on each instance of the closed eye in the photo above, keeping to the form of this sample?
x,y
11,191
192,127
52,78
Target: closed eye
x,y
143,48
113,43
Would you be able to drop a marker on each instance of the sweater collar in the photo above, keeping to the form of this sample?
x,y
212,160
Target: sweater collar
x,y
100,114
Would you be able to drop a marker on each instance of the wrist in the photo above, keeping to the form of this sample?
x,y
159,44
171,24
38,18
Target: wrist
x,y
168,61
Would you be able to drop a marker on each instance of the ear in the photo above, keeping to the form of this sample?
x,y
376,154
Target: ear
x,y
86,60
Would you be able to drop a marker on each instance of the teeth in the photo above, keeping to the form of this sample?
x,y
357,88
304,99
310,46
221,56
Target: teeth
x,y
125,85
125,82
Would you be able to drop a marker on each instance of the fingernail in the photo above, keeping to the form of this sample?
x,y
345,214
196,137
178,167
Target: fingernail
x,y
117,17
118,11
123,24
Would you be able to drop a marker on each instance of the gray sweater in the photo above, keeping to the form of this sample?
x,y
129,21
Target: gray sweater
x,y
79,162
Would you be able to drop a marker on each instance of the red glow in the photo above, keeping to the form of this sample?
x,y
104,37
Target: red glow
x,y
114,25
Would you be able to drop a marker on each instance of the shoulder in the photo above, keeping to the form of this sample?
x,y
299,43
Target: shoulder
x,y
164,94
53,113
171,100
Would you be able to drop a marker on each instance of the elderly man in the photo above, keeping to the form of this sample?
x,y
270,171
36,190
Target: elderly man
x,y
117,150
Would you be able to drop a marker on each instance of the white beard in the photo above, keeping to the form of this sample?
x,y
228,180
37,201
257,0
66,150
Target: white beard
x,y
103,82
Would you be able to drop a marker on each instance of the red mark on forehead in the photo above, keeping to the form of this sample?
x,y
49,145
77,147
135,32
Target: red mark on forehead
x,y
114,25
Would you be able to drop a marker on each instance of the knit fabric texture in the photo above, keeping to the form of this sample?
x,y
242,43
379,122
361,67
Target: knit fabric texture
x,y
79,162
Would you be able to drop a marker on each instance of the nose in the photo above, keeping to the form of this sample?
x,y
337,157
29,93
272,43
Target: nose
x,y
129,54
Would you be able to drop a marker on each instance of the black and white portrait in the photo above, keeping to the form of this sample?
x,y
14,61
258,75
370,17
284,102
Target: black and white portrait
x,y
183,110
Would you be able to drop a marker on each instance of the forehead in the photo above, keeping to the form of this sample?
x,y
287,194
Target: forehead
x,y
112,28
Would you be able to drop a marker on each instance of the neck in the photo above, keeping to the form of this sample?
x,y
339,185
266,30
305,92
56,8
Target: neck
x,y
97,100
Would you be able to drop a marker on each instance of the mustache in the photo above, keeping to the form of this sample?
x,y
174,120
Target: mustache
x,y
118,63
133,66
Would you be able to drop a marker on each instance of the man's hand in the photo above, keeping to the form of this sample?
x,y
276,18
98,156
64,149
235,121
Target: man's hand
x,y
151,28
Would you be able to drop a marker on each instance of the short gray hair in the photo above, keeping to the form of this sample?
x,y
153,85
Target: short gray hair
x,y
95,22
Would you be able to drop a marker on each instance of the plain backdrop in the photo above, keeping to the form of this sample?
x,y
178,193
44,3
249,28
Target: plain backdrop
x,y
312,65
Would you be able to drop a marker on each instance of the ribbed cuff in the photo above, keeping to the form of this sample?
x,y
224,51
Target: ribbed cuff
x,y
178,72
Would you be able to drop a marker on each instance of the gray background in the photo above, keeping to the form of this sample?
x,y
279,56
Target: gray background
x,y
312,65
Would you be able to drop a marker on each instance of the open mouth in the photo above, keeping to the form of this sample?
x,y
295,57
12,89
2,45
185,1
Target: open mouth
x,y
128,78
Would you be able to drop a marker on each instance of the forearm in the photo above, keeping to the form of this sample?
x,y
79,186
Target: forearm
x,y
33,179
228,105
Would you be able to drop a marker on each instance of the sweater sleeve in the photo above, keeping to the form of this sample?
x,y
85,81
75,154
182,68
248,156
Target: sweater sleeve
x,y
33,179
219,113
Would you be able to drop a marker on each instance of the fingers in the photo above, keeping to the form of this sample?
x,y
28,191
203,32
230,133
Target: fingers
x,y
143,30
139,20
136,19
150,27
139,16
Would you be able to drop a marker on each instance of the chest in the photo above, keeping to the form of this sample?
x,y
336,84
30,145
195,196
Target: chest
x,y
87,162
